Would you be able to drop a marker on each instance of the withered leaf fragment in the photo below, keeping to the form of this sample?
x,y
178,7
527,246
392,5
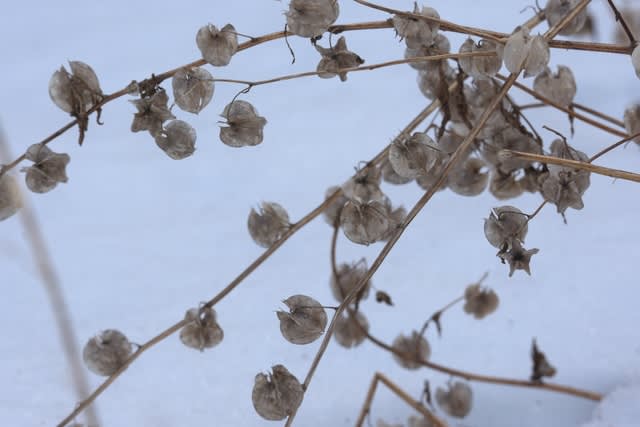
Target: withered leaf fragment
x,y
106,352
457,400
541,366
337,58
217,46
244,125
305,322
311,18
415,349
152,112
276,396
48,169
10,200
192,89
202,330
177,139
267,226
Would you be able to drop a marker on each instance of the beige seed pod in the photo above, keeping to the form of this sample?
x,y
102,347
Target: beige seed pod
x,y
217,46
538,56
202,330
269,225
432,82
564,189
336,58
414,156
469,178
396,218
10,200
364,223
75,92
525,51
559,86
427,181
106,352
276,396
480,302
556,10
364,186
632,121
192,89
332,212
305,322
244,125
177,139
635,60
504,186
311,18
417,32
348,277
457,400
389,175
415,349
440,46
351,331
505,225
481,67
49,168
152,112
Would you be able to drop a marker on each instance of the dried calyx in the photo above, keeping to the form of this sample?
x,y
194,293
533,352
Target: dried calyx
x,y
192,89
305,322
311,18
177,139
456,400
217,46
48,169
202,329
411,350
107,352
337,58
523,51
244,125
276,396
75,92
268,225
351,330
560,86
152,112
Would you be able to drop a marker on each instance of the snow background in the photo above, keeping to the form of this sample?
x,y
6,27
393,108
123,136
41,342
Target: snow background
x,y
139,238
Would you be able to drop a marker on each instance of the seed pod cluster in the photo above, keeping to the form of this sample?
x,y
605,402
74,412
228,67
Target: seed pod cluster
x,y
10,200
439,46
77,91
351,331
106,352
244,125
456,400
269,225
217,46
177,139
202,330
277,395
417,32
192,89
523,51
152,112
414,349
311,18
560,86
481,67
305,322
556,10
336,58
48,169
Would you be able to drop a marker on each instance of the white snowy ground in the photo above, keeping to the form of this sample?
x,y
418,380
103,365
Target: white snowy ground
x,y
139,238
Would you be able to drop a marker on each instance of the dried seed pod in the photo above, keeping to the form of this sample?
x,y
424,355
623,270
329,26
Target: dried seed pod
x,y
506,225
555,10
415,156
364,223
414,348
348,277
75,92
481,67
48,169
10,200
305,322
336,58
351,331
311,18
480,302
427,181
203,330
106,352
396,218
468,179
440,46
635,60
152,112
632,121
564,189
509,138
276,396
432,83
456,401
389,175
541,366
524,51
332,212
217,46
177,139
244,125
417,32
559,87
518,257
192,89
364,186
269,225
504,186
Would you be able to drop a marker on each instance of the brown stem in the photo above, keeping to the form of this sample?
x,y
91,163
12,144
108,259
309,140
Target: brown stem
x,y
435,317
599,114
623,22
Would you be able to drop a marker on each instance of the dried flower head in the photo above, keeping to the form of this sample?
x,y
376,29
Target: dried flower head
x,y
332,212
311,18
364,222
347,279
524,51
541,366
505,225
305,322
555,10
456,401
351,331
481,67
414,349
48,169
504,186
480,302
559,87
518,257
152,112
75,92
202,330
106,352
470,178
217,46
337,58
192,89
364,186
389,175
269,225
414,156
177,139
417,32
10,200
632,121
276,396
244,125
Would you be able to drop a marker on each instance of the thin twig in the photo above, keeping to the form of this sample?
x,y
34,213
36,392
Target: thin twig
x,y
623,22
599,114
